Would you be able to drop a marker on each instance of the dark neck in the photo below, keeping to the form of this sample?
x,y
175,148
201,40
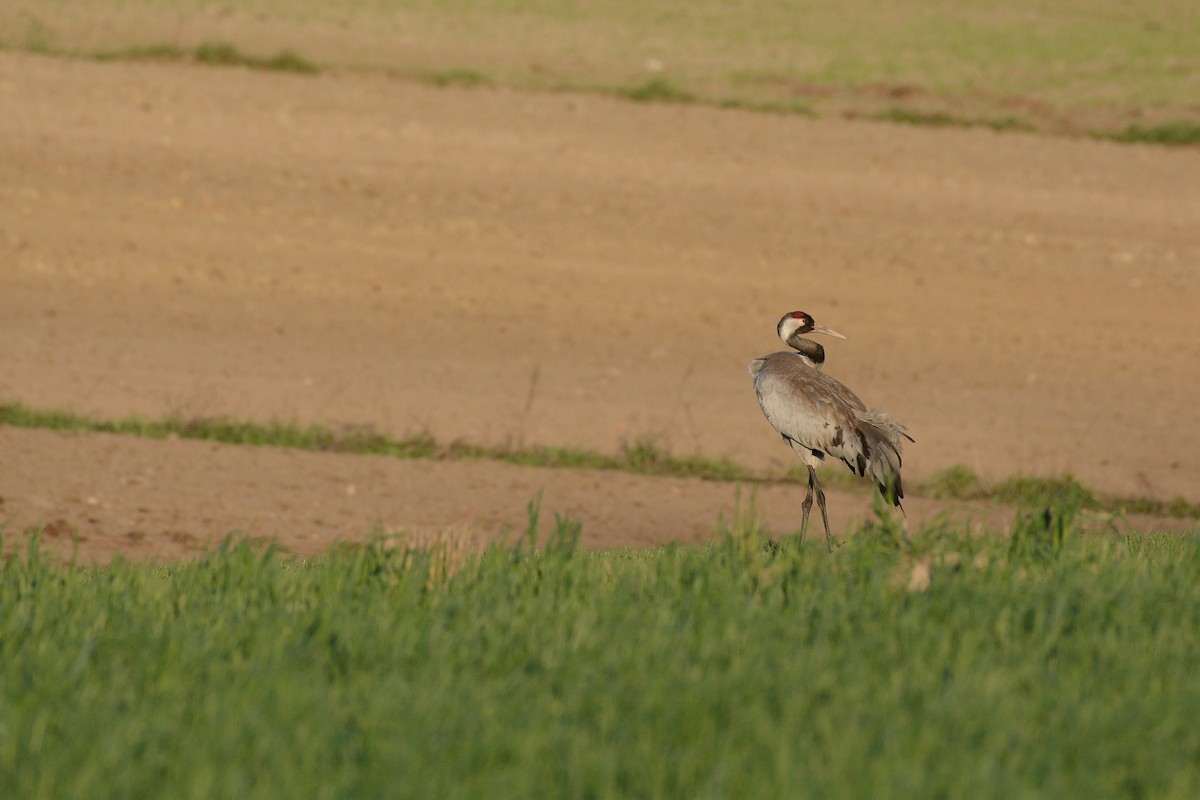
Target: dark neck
x,y
809,349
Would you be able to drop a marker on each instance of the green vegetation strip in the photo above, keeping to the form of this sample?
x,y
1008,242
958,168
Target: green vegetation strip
x,y
960,483
1168,133
652,90
217,53
1047,665
643,457
1064,67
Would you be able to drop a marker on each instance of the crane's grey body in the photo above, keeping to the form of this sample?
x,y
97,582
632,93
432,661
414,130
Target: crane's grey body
x,y
819,416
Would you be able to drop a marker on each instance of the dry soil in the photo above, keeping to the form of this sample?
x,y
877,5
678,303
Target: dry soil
x,y
555,269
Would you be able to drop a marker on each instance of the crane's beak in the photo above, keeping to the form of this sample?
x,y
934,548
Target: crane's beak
x,y
826,331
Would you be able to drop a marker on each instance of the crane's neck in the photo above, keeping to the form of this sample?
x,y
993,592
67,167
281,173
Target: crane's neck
x,y
812,353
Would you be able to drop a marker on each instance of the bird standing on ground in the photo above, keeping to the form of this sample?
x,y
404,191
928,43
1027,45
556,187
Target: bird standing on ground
x,y
819,416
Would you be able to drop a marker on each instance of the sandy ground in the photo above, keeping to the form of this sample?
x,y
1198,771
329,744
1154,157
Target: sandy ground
x,y
556,269
171,499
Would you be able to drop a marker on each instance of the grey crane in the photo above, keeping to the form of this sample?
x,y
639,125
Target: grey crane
x,y
819,416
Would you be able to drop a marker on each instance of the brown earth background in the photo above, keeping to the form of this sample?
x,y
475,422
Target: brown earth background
x,y
523,268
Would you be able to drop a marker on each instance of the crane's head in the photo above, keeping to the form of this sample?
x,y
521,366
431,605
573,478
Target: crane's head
x,y
796,323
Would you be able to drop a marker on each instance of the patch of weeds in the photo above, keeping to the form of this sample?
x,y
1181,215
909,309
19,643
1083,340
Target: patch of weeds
x,y
226,55
1030,491
214,53
1006,124
908,116
885,527
151,52
958,482
568,457
1177,507
365,439
37,37
1138,505
791,107
940,119
222,53
1168,133
645,456
745,540
467,450
467,78
290,61
656,90
1039,534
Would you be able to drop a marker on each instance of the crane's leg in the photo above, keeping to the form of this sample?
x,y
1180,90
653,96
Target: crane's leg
x,y
812,481
807,505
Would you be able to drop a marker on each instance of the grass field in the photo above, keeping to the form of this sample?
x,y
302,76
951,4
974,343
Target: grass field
x,y
1122,71
1043,661
1049,664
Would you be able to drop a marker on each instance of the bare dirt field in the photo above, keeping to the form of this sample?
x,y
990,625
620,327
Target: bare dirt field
x,y
555,269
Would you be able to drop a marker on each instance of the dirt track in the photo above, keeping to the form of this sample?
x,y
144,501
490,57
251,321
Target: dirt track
x,y
564,270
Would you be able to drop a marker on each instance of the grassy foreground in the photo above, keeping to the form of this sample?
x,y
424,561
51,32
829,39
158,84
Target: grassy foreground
x,y
1050,664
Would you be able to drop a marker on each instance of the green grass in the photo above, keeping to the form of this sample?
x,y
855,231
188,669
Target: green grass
x,y
1168,133
37,37
656,90
1051,664
1174,507
155,52
644,457
908,116
225,54
939,119
1024,490
801,108
957,482
222,53
214,53
287,61
1066,67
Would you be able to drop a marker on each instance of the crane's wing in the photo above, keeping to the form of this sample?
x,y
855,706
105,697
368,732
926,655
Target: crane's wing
x,y
806,406
819,415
